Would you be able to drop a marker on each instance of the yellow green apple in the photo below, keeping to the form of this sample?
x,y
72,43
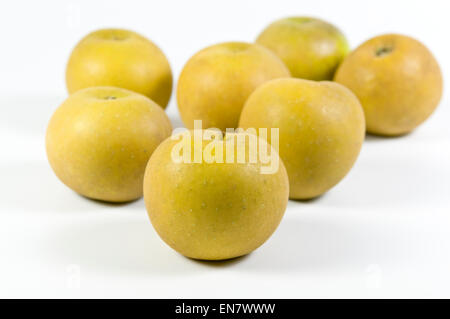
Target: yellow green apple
x,y
216,81
100,139
120,58
311,48
214,209
321,130
397,80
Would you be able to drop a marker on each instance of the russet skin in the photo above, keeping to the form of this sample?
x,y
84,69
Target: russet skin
x,y
120,58
211,210
215,83
397,80
311,48
100,139
321,129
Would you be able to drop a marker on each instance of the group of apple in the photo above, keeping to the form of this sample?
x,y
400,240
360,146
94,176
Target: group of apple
x,y
111,140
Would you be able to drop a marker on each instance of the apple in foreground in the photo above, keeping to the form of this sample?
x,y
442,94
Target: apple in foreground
x,y
397,80
321,130
213,210
311,48
215,83
120,58
100,139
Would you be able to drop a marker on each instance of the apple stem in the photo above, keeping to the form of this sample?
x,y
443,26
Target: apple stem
x,y
383,51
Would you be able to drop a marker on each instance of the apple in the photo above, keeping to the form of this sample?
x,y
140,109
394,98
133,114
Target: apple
x,y
213,208
215,83
120,58
100,139
321,130
397,80
311,48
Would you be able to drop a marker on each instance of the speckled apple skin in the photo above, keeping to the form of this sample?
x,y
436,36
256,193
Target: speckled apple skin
x,y
100,139
215,83
213,211
321,128
120,58
311,48
397,80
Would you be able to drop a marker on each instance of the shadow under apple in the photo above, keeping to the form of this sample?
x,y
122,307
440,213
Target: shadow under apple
x,y
120,245
306,246
32,186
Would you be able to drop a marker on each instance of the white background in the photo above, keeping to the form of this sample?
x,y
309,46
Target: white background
x,y
384,231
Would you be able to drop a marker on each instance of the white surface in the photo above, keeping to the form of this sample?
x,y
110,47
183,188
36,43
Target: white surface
x,y
383,232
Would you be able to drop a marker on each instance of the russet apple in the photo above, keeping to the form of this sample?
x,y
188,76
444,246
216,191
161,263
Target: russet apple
x,y
321,130
214,209
100,139
397,80
120,58
311,48
215,82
